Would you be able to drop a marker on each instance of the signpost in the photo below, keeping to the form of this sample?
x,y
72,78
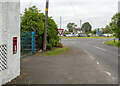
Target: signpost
x,y
60,31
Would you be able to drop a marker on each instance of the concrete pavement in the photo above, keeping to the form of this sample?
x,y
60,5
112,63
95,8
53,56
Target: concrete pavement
x,y
73,67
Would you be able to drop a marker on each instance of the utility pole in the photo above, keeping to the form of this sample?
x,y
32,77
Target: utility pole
x,y
80,23
119,7
45,27
60,22
60,27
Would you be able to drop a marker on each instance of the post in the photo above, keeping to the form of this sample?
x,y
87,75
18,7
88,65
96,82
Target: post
x,y
80,23
119,7
60,22
119,20
34,38
45,27
60,28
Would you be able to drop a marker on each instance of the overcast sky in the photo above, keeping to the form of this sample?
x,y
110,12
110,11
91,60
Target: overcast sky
x,y
97,12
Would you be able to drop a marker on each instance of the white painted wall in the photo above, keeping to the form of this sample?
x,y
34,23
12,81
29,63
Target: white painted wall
x,y
9,28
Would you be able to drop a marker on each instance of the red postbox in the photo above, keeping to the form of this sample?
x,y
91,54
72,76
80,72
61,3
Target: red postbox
x,y
14,45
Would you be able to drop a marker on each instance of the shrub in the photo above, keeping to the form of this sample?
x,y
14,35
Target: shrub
x,y
32,18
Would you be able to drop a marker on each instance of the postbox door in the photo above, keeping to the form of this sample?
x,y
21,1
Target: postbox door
x,y
14,45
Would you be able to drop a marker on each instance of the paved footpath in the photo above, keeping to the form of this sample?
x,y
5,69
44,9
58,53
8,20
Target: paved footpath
x,y
73,67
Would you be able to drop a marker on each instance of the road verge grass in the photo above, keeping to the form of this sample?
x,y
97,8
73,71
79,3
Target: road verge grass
x,y
54,51
84,37
112,43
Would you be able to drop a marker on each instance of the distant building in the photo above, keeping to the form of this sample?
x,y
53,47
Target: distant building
x,y
78,31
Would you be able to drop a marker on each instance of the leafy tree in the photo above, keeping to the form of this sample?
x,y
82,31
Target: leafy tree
x,y
115,25
32,18
71,26
107,30
87,27
93,31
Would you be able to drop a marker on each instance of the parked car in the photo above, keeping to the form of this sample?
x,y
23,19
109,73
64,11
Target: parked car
x,y
82,36
107,35
64,35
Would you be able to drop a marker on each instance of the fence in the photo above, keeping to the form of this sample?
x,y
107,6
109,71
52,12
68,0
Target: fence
x,y
27,43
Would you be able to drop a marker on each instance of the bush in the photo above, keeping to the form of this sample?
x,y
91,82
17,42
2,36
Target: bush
x,y
33,19
49,46
59,45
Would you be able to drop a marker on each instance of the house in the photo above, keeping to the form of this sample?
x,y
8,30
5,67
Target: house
x,y
9,40
78,31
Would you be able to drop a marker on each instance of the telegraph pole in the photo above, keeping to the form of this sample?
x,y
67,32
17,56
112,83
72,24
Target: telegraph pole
x,y
45,27
60,27
60,22
119,7
80,23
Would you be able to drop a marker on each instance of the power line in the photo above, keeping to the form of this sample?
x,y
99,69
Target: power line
x,y
30,3
75,13
73,8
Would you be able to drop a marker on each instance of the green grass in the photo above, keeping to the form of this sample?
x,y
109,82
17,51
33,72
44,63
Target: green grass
x,y
54,51
84,37
112,43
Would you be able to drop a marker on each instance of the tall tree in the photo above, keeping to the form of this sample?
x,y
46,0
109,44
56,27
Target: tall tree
x,y
71,26
107,30
86,27
115,25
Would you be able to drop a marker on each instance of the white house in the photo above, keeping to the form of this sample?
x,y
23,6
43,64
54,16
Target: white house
x,y
78,31
9,40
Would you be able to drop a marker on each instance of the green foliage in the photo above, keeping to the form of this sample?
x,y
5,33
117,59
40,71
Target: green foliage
x,y
94,31
71,26
115,25
112,43
87,27
32,18
54,51
107,30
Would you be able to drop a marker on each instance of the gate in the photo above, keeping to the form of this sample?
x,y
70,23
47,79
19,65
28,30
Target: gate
x,y
27,43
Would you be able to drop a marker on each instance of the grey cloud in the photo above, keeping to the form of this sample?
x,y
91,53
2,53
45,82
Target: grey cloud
x,y
97,12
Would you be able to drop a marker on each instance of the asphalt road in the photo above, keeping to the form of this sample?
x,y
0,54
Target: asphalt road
x,y
105,56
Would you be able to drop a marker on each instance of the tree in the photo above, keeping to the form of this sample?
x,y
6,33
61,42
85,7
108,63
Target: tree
x,y
32,18
107,30
86,27
71,26
115,25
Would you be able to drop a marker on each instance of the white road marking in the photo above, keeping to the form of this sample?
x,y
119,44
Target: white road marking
x,y
100,48
108,73
103,42
85,51
97,63
92,57
88,54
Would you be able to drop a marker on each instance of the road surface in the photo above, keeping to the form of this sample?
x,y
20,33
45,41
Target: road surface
x,y
88,61
105,56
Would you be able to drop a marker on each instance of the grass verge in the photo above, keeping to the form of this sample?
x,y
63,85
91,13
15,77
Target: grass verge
x,y
54,51
84,37
112,43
